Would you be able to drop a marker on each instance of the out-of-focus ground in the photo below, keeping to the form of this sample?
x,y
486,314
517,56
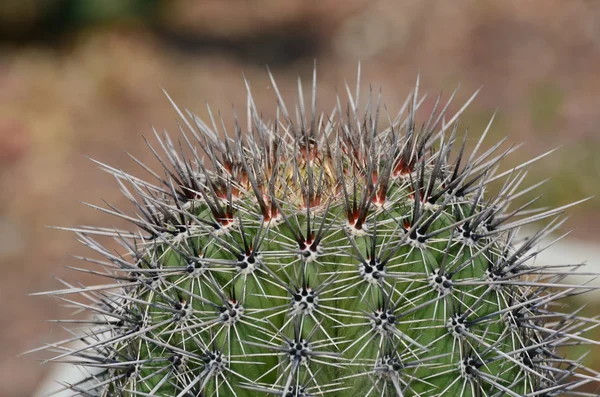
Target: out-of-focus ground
x,y
80,81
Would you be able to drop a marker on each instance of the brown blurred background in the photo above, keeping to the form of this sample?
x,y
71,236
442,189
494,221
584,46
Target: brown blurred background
x,y
84,78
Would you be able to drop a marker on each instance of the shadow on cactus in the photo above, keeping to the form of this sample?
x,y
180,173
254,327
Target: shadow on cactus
x,y
323,255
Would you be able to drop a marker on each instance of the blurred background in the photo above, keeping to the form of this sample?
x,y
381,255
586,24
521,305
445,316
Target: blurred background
x,y
83,78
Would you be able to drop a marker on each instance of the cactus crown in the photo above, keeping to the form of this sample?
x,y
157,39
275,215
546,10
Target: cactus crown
x,y
323,255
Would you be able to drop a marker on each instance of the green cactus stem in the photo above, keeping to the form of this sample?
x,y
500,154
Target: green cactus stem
x,y
320,254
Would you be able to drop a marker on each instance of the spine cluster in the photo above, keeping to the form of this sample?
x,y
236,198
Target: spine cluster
x,y
322,255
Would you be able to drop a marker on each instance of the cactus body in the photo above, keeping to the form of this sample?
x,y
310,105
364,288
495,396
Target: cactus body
x,y
324,255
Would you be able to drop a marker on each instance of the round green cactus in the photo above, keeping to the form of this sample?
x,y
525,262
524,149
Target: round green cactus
x,y
323,255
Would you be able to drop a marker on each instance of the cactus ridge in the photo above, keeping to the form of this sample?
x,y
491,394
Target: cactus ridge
x,y
321,255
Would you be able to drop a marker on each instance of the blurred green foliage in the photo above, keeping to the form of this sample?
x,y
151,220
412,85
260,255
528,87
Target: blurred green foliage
x,y
46,20
546,101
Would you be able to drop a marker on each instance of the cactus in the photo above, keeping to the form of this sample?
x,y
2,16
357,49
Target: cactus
x,y
320,254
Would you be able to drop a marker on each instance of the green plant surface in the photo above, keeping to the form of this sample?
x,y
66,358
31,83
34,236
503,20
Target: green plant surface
x,y
320,254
